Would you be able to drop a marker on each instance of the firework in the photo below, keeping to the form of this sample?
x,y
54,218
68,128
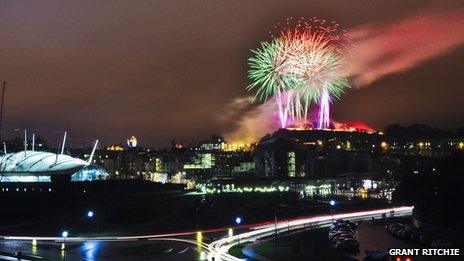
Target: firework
x,y
317,50
300,66
268,73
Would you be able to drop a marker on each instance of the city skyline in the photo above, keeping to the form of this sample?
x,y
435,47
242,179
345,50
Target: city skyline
x,y
69,73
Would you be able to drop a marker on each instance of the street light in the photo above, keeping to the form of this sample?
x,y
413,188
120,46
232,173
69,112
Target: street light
x,y
90,216
64,235
332,204
238,221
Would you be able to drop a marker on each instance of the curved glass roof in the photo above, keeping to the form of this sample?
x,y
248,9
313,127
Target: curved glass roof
x,y
39,162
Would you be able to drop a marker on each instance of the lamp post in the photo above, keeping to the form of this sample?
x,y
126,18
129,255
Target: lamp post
x,y
275,231
332,204
64,235
90,216
238,221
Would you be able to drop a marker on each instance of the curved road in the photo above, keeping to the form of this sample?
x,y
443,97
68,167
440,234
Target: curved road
x,y
174,246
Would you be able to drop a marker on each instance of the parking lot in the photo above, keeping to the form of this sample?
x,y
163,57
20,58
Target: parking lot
x,y
377,238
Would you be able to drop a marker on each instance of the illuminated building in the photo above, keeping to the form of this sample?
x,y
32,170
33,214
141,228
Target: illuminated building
x,y
28,164
115,148
280,157
90,173
291,162
238,147
244,167
265,185
201,161
216,143
319,153
132,142
158,177
158,164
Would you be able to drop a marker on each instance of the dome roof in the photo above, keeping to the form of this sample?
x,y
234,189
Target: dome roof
x,y
39,163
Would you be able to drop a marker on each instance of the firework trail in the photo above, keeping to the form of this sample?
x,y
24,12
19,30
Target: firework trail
x,y
300,66
268,72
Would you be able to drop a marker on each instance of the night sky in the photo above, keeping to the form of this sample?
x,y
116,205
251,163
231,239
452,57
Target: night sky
x,y
167,69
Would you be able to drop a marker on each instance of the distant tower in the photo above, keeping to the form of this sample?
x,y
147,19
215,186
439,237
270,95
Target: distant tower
x,y
132,142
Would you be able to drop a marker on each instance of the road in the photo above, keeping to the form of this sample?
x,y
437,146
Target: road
x,y
219,248
206,245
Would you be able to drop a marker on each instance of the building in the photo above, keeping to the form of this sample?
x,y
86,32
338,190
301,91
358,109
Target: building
x,y
28,164
132,142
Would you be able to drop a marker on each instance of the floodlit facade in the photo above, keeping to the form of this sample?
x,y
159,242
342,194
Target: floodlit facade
x,y
90,173
38,163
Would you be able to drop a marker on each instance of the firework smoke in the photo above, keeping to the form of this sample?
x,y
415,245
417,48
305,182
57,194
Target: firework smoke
x,y
251,122
394,47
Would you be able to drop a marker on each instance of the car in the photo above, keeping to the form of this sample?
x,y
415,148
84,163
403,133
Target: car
x,y
335,240
439,243
341,222
348,244
340,236
398,230
340,225
332,236
389,227
415,236
376,255
426,240
347,230
353,224
395,231
405,233
341,239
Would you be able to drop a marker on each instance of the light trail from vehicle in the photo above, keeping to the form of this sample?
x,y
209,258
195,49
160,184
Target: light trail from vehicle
x,y
219,249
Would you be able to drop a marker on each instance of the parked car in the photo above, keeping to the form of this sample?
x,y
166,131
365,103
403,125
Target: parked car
x,y
426,240
415,236
338,230
405,232
376,255
340,225
439,243
352,224
340,238
333,236
348,244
